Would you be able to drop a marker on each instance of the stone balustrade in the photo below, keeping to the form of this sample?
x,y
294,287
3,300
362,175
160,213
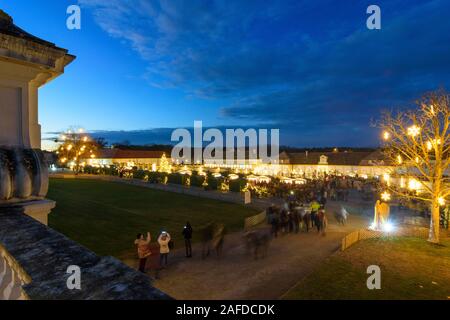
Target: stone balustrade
x,y
34,260
24,182
23,175
12,277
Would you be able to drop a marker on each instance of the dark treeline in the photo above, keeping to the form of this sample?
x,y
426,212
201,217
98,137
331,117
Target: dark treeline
x,y
152,147
168,148
325,149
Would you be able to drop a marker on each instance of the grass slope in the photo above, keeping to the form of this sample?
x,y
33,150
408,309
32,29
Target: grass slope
x,y
105,216
411,268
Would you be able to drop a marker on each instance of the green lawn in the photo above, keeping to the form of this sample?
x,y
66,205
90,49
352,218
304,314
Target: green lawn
x,y
411,268
105,216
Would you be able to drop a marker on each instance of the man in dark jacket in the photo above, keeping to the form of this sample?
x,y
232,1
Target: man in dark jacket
x,y
187,234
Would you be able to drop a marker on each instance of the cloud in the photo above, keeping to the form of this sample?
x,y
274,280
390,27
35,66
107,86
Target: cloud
x,y
299,64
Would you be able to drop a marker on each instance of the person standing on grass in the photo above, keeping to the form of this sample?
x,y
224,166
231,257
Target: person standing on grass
x,y
187,234
143,249
164,250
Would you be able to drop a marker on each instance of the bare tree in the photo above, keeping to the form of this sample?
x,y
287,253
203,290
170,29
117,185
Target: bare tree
x,y
417,143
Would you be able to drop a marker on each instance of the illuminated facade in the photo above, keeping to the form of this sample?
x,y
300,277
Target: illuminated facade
x,y
297,165
358,163
142,159
310,164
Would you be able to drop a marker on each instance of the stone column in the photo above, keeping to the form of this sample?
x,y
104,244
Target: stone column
x,y
26,64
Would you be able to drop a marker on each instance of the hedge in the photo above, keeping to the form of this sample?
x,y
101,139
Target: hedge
x,y
197,180
213,182
177,178
237,185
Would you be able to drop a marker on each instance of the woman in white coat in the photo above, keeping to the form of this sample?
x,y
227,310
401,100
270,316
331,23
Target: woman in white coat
x,y
163,240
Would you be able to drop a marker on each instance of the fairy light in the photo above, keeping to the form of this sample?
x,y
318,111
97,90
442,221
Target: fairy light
x,y
386,196
387,178
413,184
434,142
413,131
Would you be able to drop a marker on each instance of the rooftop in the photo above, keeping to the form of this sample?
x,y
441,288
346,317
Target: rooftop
x,y
350,158
129,154
18,44
8,27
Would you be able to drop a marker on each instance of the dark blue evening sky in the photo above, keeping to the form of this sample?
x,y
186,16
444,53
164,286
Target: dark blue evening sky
x,y
308,67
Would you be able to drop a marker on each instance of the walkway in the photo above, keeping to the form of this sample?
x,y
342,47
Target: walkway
x,y
238,276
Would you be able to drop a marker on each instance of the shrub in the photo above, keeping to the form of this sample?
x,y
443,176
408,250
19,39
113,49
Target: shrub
x,y
237,185
157,177
177,178
197,180
112,170
140,174
92,170
88,170
213,183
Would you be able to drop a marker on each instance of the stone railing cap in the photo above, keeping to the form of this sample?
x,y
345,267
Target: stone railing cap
x,y
45,255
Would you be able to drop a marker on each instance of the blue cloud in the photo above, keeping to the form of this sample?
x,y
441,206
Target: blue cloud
x,y
306,66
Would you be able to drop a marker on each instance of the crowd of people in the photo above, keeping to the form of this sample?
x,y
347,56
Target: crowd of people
x,y
304,206
294,217
330,186
303,210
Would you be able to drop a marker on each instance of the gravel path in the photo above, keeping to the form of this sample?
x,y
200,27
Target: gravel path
x,y
238,276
